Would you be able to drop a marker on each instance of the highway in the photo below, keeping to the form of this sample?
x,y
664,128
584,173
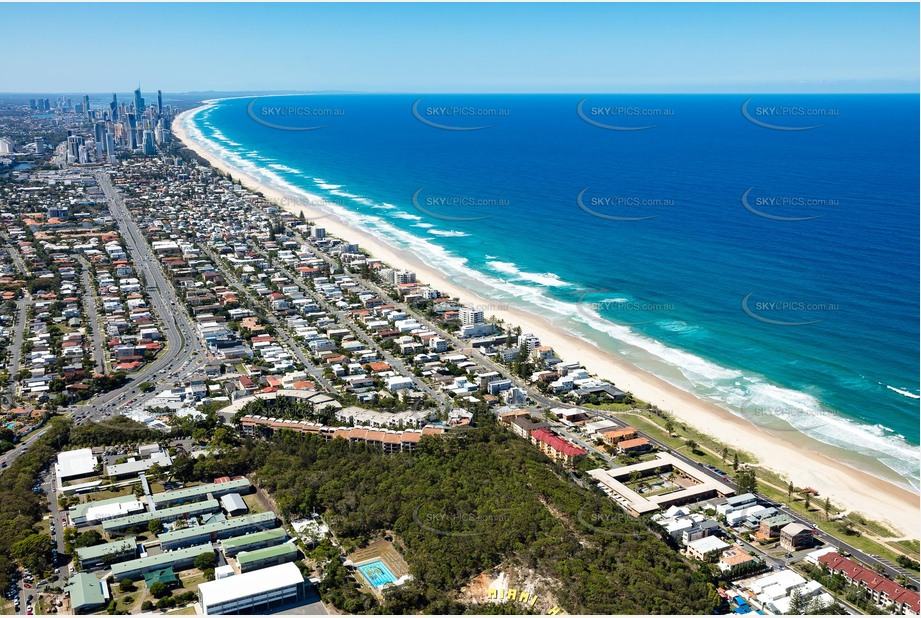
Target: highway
x,y
182,344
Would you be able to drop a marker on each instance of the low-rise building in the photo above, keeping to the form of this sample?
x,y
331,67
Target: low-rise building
x,y
98,555
87,593
178,560
706,549
556,447
253,593
216,531
735,557
266,557
256,540
796,536
884,592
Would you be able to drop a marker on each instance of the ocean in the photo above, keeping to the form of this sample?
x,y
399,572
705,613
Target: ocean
x,y
761,252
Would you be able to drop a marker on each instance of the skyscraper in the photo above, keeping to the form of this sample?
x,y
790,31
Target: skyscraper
x,y
138,102
159,103
86,105
148,143
114,106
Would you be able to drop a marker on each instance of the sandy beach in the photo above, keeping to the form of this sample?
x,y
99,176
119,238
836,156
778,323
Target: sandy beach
x,y
795,456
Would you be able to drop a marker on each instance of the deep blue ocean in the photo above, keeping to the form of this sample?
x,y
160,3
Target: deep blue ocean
x,y
716,241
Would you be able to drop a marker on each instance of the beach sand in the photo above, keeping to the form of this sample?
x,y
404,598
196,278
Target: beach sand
x,y
793,455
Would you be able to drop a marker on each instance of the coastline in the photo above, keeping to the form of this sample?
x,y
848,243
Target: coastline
x,y
796,456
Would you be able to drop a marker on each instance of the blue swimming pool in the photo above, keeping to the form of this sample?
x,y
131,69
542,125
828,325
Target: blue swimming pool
x,y
377,573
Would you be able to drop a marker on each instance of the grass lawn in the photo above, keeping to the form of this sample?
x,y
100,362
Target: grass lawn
x,y
185,611
252,501
110,493
137,597
6,607
190,580
910,545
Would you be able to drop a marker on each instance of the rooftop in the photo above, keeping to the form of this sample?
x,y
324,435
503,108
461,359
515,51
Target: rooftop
x,y
229,524
256,555
198,490
249,584
98,551
165,559
255,537
79,462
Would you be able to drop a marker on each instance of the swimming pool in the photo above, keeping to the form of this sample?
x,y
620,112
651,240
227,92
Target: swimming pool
x,y
377,573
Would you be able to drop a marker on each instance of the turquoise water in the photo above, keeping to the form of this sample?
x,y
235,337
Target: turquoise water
x,y
805,319
377,573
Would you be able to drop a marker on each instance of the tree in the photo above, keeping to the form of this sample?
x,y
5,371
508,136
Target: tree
x,y
798,603
827,506
159,590
808,500
154,526
790,489
34,551
88,539
126,585
746,480
205,561
692,445
724,454
735,461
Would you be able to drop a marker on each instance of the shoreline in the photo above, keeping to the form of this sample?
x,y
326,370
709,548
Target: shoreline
x,y
797,457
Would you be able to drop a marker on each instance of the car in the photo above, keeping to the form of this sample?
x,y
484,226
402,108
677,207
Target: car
x,y
27,585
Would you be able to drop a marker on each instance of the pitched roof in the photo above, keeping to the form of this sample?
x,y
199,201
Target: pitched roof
x,y
557,443
872,580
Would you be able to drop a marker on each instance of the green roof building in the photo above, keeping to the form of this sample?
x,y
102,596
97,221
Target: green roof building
x,y
267,556
256,540
98,555
162,576
167,515
86,592
216,531
193,494
178,560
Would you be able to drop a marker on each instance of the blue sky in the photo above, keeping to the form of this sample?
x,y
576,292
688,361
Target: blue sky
x,y
747,48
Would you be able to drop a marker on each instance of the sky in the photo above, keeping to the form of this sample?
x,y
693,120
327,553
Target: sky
x,y
430,48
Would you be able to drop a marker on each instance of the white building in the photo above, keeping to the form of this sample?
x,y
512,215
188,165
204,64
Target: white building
x,y
75,464
470,316
254,592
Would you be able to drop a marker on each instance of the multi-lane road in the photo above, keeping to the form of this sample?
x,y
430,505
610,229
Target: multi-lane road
x,y
182,345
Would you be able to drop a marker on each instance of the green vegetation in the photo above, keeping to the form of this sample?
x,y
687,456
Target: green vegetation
x,y
463,505
20,507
